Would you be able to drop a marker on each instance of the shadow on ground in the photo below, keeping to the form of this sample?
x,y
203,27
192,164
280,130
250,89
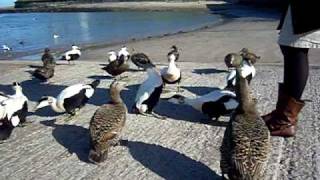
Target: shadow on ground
x,y
200,90
169,164
209,71
34,90
74,138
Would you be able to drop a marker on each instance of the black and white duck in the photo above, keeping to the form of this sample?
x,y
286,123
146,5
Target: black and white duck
x,y
13,111
71,99
112,56
234,60
149,92
72,54
214,104
124,52
106,124
172,74
246,143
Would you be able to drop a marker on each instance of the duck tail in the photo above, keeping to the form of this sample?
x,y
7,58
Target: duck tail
x,y
95,83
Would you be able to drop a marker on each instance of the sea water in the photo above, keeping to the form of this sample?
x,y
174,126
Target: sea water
x,y
28,32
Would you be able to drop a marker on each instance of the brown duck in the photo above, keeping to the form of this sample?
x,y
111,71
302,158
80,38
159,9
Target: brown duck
x,y
47,71
246,143
106,125
117,67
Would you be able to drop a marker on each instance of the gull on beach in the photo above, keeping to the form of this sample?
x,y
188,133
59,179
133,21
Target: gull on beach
x,y
6,48
55,36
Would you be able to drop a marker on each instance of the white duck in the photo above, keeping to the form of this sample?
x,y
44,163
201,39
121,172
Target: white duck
x,y
149,92
172,74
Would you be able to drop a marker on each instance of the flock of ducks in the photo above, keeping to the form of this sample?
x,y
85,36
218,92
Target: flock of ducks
x,y
246,143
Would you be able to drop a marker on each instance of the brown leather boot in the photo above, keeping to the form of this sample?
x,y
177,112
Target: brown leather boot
x,y
283,120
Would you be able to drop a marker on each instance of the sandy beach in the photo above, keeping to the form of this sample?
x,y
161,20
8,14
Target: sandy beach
x,y
179,147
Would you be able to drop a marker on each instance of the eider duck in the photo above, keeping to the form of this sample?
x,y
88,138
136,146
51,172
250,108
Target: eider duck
x,y
249,56
72,54
70,99
172,74
47,71
246,143
117,67
106,124
55,36
13,111
6,48
149,92
124,52
140,60
214,104
233,61
174,51
112,56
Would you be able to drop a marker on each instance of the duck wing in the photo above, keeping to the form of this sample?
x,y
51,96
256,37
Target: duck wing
x,y
107,123
140,59
250,146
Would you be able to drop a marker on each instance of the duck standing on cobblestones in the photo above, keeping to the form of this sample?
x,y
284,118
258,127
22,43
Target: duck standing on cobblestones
x,y
246,143
172,74
124,52
45,72
13,111
112,56
214,104
249,56
116,67
234,60
149,92
72,54
106,124
140,60
70,99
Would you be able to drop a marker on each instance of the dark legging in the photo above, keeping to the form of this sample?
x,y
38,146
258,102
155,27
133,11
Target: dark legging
x,y
296,70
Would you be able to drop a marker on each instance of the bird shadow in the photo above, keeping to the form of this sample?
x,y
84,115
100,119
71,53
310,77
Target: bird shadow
x,y
209,71
185,113
129,96
178,112
135,70
167,163
35,66
74,138
97,77
200,90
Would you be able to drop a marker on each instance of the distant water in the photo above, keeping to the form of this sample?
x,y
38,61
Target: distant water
x,y
32,32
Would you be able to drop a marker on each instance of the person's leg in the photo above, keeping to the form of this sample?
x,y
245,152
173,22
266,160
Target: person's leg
x,y
296,70
282,121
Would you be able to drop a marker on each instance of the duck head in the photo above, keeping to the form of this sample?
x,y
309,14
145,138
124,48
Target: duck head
x,y
233,60
16,86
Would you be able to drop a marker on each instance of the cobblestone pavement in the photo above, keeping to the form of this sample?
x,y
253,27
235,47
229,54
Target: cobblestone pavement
x,y
176,148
